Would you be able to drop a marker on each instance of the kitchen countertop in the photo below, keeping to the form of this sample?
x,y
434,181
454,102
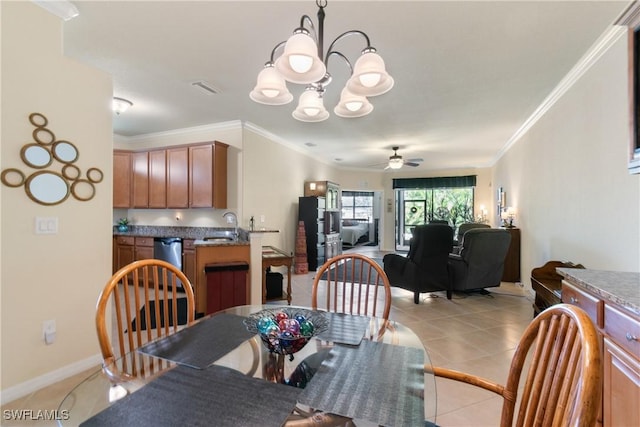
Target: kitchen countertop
x,y
622,288
195,233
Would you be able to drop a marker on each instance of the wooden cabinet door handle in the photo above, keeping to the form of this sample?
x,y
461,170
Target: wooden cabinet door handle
x,y
573,300
631,337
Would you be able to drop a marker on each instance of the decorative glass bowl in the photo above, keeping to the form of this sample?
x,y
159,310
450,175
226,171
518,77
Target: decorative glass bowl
x,y
286,330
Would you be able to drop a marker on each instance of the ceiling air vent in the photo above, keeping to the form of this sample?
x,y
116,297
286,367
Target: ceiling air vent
x,y
206,87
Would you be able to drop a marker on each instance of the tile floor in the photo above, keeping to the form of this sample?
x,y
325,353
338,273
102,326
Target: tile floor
x,y
474,333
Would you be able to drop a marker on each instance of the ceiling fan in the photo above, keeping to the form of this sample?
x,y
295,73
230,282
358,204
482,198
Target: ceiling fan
x,y
396,161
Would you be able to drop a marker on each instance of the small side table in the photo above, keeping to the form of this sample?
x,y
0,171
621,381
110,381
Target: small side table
x,y
274,257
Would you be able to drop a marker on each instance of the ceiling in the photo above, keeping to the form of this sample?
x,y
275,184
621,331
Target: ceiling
x,y
467,73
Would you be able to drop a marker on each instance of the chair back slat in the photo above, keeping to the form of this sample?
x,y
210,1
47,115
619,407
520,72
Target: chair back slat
x,y
143,297
559,361
353,284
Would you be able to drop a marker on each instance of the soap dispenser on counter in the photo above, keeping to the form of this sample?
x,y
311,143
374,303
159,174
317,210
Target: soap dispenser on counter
x,y
251,223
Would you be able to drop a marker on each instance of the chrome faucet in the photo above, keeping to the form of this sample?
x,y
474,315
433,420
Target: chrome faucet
x,y
231,217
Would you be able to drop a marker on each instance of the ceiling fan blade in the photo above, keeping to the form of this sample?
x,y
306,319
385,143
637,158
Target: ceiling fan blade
x,y
412,164
415,160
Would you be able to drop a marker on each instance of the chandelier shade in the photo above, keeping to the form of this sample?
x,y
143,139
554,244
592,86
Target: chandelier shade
x,y
300,62
370,78
271,88
303,61
352,105
310,107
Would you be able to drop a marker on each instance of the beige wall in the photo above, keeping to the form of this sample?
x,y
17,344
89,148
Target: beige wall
x,y
567,176
273,180
51,276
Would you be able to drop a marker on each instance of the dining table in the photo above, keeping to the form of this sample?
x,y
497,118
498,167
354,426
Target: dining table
x,y
218,372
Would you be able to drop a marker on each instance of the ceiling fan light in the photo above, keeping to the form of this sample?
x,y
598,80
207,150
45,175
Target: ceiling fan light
x,y
300,62
370,77
271,89
310,108
395,162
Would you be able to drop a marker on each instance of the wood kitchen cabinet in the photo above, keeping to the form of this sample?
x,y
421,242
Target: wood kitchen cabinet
x,y
158,179
122,176
127,249
140,162
190,176
619,333
178,177
189,260
208,176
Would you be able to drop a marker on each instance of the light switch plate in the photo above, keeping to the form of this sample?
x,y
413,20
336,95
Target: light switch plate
x,y
46,225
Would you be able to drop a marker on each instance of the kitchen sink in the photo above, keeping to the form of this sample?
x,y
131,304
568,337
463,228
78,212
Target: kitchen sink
x,y
219,239
222,236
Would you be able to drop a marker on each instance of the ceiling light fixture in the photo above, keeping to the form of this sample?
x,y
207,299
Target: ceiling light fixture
x,y
120,105
395,162
303,61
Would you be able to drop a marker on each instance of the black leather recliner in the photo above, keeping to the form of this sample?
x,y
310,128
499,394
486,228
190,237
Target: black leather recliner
x,y
425,268
480,263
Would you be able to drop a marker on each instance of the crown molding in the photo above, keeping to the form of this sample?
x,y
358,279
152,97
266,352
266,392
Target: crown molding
x,y
222,126
599,48
631,16
61,8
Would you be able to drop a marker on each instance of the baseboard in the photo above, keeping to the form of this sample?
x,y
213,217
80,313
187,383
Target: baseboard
x,y
35,384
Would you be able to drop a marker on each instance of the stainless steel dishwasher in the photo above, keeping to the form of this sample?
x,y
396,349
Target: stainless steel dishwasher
x,y
168,249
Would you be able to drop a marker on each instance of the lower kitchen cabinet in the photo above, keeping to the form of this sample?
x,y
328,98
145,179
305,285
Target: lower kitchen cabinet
x,y
127,249
619,330
189,260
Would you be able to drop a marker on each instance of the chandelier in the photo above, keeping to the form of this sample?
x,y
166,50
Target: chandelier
x,y
303,62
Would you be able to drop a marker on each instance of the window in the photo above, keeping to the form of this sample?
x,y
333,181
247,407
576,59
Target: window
x,y
422,200
357,205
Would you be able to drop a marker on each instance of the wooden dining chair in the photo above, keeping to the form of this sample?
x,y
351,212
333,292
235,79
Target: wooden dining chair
x,y
353,284
561,379
150,298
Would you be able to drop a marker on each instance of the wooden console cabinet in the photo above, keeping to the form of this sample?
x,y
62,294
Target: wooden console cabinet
x,y
618,324
547,284
511,271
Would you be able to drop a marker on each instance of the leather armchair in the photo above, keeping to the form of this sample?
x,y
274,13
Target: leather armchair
x,y
425,268
464,227
480,263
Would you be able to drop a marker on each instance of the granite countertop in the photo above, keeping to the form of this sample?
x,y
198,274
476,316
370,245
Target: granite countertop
x,y
196,233
622,288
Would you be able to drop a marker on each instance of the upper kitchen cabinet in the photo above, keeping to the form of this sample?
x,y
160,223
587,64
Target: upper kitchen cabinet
x,y
140,179
189,176
178,177
149,179
208,176
158,179
122,176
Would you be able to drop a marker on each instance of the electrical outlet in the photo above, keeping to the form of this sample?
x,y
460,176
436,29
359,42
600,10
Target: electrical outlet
x,y
261,218
49,331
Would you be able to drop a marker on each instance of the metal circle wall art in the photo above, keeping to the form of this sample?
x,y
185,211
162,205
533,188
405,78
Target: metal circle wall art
x,y
47,185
